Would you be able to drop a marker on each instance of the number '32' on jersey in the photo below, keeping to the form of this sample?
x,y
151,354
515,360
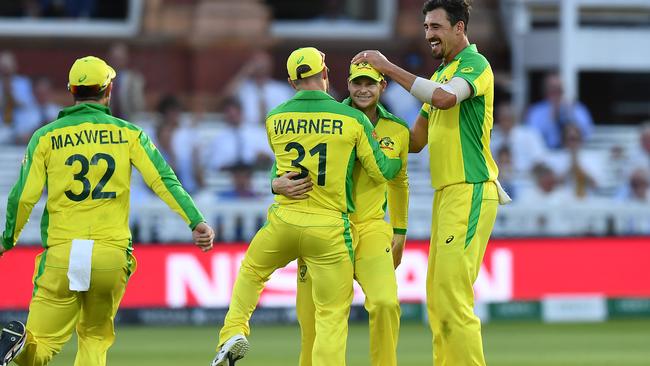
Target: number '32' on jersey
x,y
84,158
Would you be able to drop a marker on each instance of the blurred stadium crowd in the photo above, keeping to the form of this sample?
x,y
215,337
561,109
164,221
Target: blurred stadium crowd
x,y
568,173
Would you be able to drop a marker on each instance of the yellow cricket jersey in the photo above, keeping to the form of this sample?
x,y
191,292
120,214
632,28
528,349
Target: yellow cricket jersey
x,y
314,134
459,137
371,197
85,158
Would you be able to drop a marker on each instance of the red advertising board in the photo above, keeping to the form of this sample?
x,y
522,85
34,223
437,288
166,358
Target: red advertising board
x,y
513,269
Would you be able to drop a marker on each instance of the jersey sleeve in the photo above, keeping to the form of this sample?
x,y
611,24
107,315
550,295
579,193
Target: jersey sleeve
x,y
424,111
160,177
398,191
26,192
379,167
476,71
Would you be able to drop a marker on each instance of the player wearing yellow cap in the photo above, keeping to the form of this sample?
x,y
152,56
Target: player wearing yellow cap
x,y
84,157
373,263
312,135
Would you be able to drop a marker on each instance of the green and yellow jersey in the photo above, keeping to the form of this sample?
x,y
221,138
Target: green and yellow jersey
x,y
371,198
85,158
314,134
459,137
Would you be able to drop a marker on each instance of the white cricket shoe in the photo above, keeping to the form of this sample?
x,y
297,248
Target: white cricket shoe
x,y
232,350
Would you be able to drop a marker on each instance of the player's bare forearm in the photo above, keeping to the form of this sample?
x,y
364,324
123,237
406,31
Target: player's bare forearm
x,y
419,135
289,187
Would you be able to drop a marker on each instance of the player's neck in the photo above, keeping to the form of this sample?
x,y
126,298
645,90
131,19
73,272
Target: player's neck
x,y
461,46
371,113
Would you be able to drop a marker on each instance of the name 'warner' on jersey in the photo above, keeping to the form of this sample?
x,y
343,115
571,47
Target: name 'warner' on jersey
x,y
311,133
85,159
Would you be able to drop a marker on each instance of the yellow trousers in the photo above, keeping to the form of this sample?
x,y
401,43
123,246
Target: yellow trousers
x,y
55,311
373,270
463,218
324,242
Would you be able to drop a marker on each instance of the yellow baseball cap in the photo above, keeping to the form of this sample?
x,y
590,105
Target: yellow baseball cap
x,y
364,69
310,61
90,70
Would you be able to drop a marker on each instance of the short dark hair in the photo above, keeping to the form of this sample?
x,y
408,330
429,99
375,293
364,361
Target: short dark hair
x,y
457,10
167,103
230,101
82,93
317,75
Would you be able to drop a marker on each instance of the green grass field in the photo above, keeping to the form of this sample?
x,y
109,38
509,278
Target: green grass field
x,y
615,343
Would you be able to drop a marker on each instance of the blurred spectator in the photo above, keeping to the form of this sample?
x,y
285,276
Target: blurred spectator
x,y
507,176
525,144
178,144
256,90
547,188
128,87
617,167
551,115
641,154
637,188
397,99
237,143
47,109
548,193
241,175
17,103
580,170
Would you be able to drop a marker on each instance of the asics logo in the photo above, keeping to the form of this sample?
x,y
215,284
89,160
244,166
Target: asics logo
x,y
449,239
300,60
84,77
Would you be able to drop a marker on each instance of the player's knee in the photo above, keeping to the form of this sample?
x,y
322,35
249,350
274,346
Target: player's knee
x,y
252,272
383,304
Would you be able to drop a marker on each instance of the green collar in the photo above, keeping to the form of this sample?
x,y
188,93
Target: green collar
x,y
84,108
471,48
312,95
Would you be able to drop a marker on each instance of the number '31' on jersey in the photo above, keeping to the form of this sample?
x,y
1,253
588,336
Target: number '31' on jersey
x,y
317,136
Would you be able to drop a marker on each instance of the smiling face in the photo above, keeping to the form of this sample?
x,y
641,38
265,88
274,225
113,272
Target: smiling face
x,y
365,92
441,34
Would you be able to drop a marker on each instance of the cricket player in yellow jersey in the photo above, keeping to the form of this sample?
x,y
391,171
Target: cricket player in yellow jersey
x,y
455,121
314,135
373,263
84,158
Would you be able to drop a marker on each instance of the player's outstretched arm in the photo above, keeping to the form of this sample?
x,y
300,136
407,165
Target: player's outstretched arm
x,y
419,134
160,177
26,192
289,187
203,236
439,95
